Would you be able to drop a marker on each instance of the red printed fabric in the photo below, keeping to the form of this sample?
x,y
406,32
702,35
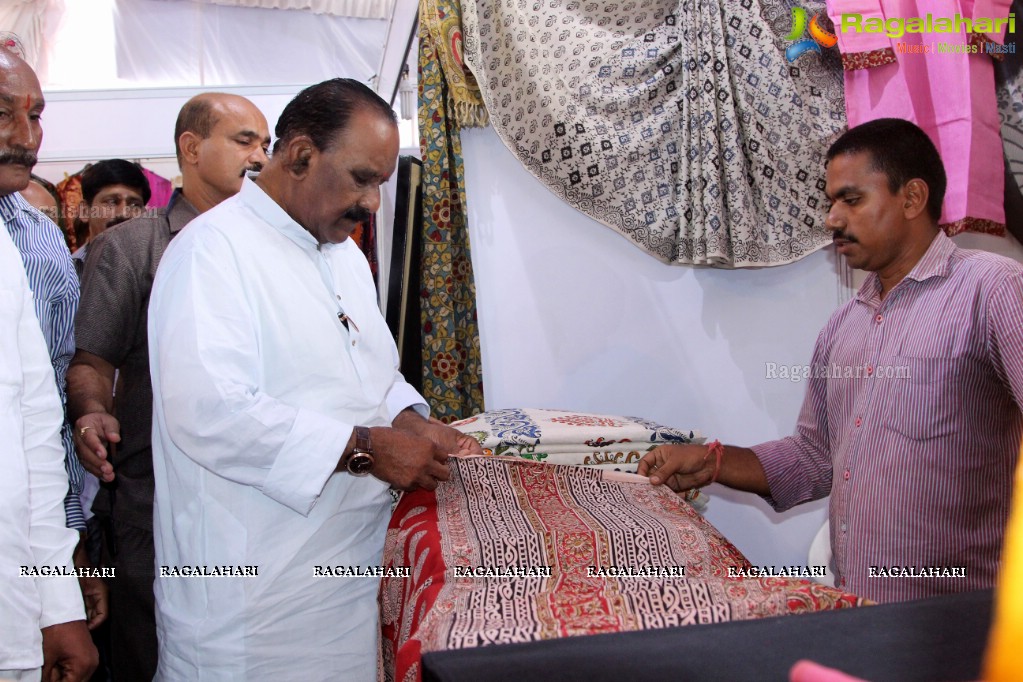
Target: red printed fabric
x,y
495,514
868,60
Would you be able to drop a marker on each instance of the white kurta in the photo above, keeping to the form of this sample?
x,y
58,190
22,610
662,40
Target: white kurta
x,y
33,484
256,388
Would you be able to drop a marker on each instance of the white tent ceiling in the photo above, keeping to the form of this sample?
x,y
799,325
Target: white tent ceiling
x,y
115,72
133,44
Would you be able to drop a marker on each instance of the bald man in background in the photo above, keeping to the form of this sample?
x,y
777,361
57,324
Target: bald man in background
x,y
38,196
218,138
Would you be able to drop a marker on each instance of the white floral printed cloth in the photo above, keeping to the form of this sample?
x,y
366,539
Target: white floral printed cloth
x,y
574,438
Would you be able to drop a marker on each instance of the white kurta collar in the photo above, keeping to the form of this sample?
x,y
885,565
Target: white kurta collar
x,y
253,196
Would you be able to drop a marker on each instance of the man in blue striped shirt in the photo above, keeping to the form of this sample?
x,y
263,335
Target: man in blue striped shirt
x,y
54,283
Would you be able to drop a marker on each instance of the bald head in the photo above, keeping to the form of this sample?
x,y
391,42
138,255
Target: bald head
x,y
21,133
218,137
200,114
37,195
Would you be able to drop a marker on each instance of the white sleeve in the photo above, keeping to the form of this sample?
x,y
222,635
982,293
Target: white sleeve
x,y
52,543
402,396
204,359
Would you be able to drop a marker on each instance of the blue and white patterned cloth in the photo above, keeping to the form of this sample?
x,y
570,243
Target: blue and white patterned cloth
x,y
569,437
678,124
54,284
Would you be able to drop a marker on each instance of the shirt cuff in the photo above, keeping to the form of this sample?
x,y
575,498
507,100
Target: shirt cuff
x,y
61,598
309,457
73,512
784,470
402,396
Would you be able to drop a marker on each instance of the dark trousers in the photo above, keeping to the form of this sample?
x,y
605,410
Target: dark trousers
x,y
133,645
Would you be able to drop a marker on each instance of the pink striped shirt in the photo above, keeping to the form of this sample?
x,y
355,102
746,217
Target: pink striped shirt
x,y
912,422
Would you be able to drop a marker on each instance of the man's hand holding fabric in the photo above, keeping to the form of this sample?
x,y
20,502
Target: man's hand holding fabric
x,y
408,461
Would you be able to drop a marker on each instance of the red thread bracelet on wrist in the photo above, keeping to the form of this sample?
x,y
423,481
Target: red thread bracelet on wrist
x,y
716,449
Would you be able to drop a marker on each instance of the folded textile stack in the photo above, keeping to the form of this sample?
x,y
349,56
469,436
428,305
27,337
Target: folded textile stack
x,y
575,438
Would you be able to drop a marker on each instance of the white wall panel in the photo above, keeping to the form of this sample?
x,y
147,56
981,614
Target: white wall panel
x,y
573,316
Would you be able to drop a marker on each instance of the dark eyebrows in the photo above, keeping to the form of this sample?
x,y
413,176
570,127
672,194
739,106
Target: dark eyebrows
x,y
368,175
842,193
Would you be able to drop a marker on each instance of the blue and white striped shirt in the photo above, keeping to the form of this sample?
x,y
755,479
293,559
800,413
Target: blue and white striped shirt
x,y
54,284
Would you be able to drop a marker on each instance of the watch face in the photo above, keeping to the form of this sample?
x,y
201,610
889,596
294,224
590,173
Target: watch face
x,y
360,464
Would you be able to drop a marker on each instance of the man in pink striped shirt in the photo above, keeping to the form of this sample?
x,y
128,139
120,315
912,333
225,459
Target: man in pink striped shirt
x,y
912,417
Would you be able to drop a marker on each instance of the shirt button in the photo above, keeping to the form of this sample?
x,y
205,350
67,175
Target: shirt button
x,y
879,319
870,370
843,527
846,475
353,343
858,422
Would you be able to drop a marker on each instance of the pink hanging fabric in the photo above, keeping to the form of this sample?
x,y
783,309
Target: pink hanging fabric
x,y
161,188
949,95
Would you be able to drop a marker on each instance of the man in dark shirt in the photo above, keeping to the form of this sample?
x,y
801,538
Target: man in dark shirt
x,y
218,138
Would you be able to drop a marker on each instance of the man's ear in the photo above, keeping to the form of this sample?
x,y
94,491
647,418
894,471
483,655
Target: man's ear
x,y
916,193
188,143
297,153
83,210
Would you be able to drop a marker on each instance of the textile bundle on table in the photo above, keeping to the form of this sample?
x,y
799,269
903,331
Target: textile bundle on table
x,y
493,514
678,124
577,438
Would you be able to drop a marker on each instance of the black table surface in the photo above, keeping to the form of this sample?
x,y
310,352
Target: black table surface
x,y
931,640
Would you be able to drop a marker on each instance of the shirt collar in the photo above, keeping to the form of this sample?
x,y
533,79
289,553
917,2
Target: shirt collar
x,y
936,262
253,196
180,211
14,204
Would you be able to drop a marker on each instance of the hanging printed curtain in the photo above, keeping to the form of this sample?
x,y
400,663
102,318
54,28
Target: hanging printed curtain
x,y
679,124
1009,89
448,99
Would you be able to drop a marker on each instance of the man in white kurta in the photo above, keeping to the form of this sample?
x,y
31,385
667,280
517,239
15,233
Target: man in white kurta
x,y
267,347
40,601
42,616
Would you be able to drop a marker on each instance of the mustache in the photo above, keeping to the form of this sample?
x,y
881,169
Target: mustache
x,y
118,221
17,157
254,168
357,214
844,236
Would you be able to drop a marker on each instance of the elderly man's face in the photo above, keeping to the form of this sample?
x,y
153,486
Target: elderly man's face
x,y
21,133
342,186
867,219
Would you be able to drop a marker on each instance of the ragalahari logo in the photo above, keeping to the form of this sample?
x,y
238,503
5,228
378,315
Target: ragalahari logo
x,y
819,37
